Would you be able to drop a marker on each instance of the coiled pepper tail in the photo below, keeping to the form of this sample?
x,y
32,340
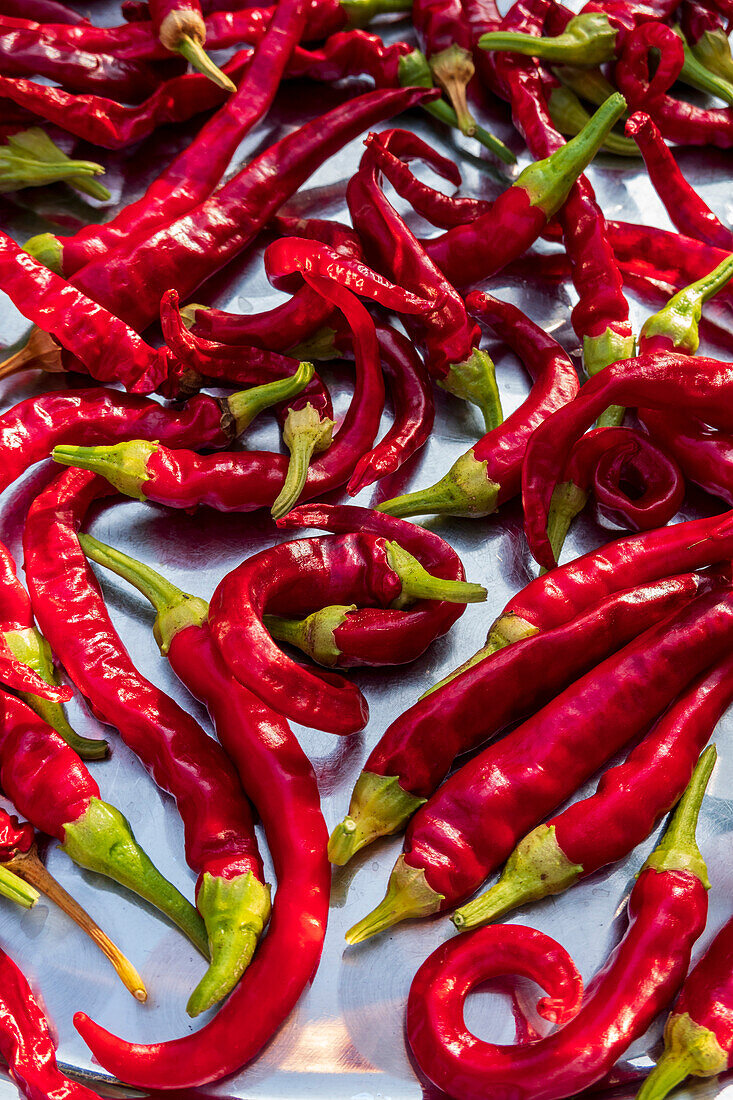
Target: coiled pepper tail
x,y
588,40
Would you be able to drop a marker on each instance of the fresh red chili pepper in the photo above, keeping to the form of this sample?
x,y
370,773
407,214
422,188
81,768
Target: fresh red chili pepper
x,y
195,172
219,836
189,249
704,455
667,911
653,380
631,798
449,337
180,27
472,823
350,636
52,787
357,13
42,11
490,473
279,778
417,750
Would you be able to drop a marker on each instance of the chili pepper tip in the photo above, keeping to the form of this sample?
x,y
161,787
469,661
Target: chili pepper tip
x,y
408,895
379,807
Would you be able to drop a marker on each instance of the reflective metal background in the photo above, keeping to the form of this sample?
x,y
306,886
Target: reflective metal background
x,y
345,1040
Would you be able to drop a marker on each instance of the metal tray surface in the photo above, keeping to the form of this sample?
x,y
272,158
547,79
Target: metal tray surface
x,y
345,1039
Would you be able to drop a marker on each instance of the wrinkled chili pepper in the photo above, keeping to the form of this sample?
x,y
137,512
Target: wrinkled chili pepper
x,y
667,910
279,778
472,823
180,27
52,787
631,798
653,380
219,835
417,749
299,577
489,474
447,334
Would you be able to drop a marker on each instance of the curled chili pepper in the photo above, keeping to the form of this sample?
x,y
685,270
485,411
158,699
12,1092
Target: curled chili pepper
x,y
416,752
179,24
631,798
667,910
489,473
474,820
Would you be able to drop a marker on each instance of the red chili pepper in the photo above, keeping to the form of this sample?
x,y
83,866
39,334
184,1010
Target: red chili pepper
x,y
476,818
417,750
42,11
53,788
667,911
279,778
490,473
350,636
705,455
219,836
449,337
180,27
654,380
630,800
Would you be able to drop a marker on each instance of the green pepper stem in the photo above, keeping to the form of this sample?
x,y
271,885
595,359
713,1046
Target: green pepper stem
x,y
31,159
569,116
124,465
474,380
314,634
464,491
568,501
679,319
453,69
247,404
505,631
198,58
379,806
48,250
697,75
359,13
15,889
670,1071
305,433
678,850
29,867
712,50
418,584
40,351
589,84
408,895
588,40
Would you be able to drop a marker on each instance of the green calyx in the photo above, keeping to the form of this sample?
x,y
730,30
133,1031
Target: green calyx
x,y
690,1048
601,351
453,69
379,807
101,840
31,159
569,116
235,912
124,465
536,868
313,635
589,84
48,250
15,889
568,501
588,40
679,320
30,647
359,13
176,610
697,75
193,51
474,380
305,433
464,491
188,313
678,850
413,71
548,182
418,584
712,50
506,630
320,346
408,895
247,404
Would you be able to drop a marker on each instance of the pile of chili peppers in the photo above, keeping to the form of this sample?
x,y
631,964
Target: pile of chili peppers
x,y
382,337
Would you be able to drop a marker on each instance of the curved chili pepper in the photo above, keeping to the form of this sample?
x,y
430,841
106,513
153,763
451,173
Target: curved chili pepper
x,y
667,911
296,577
704,455
350,637
219,835
179,24
653,380
279,778
416,752
53,788
489,474
42,11
628,803
476,818
449,337
634,483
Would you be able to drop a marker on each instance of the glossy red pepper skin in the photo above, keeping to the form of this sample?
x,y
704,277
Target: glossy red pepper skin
x,y
655,380
16,837
41,11
704,454
475,819
185,252
667,912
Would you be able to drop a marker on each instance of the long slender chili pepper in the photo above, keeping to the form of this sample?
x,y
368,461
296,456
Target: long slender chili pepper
x,y
449,337
627,805
219,836
490,472
194,173
416,751
279,778
352,636
53,788
179,24
189,249
476,818
634,483
298,577
653,380
667,911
